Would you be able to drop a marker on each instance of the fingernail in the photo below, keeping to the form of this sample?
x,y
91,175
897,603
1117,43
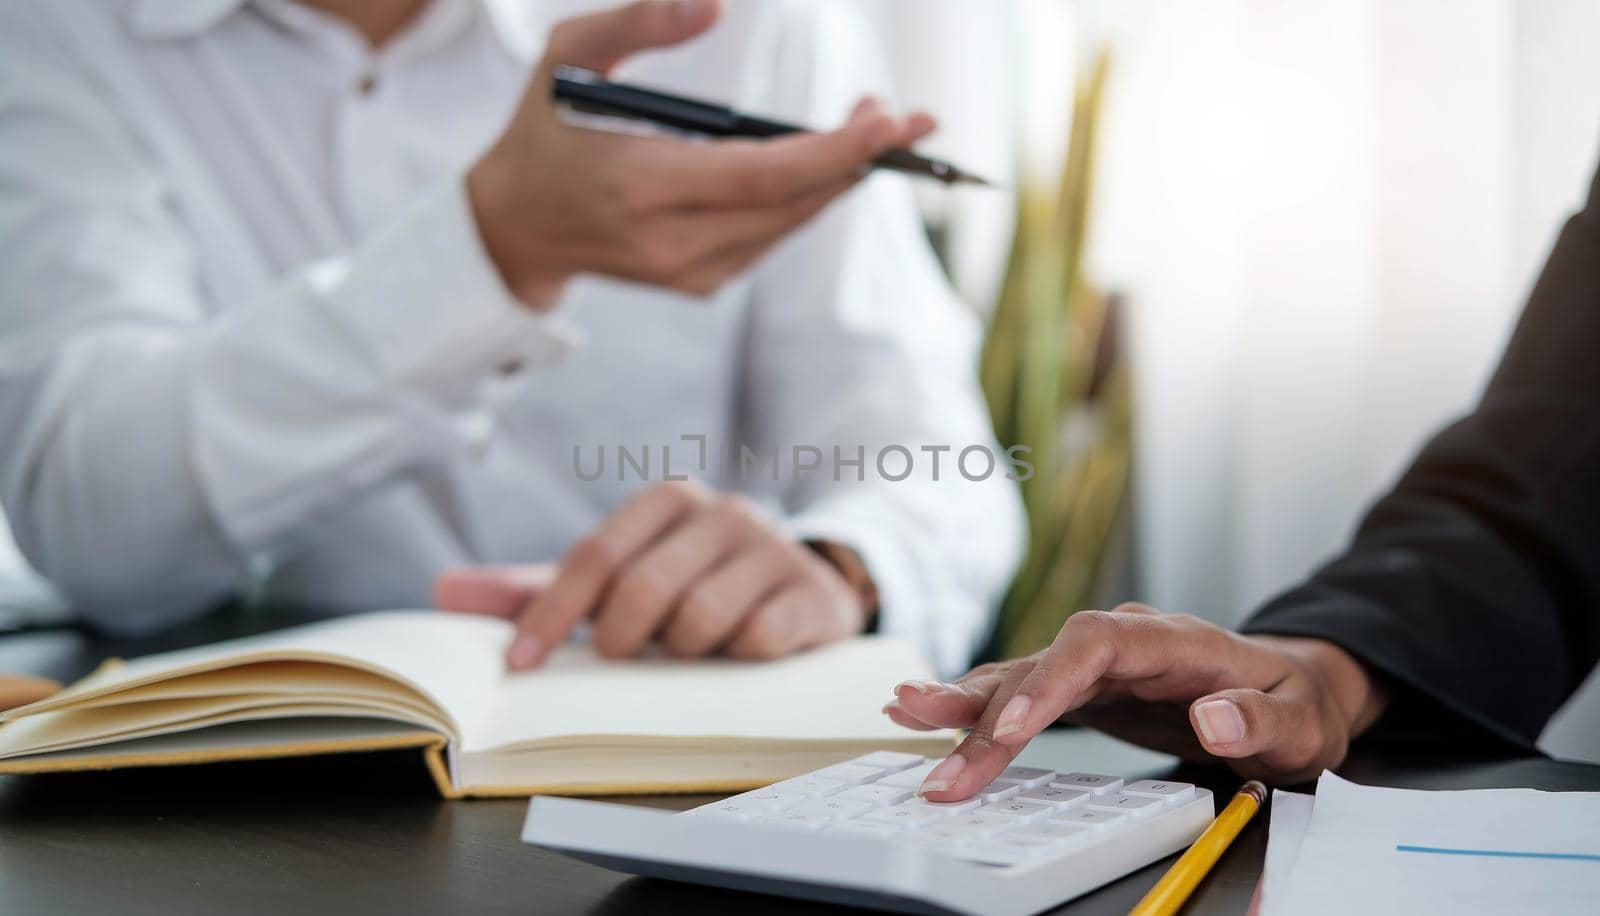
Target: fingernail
x,y
922,687
690,9
1013,717
944,775
1219,721
524,652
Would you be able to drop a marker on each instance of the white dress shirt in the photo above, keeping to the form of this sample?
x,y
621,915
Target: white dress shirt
x,y
250,340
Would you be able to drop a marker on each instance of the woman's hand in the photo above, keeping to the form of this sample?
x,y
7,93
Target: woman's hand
x,y
554,200
1279,708
680,564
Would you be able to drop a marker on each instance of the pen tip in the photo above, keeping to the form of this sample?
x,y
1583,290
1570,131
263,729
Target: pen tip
x,y
969,178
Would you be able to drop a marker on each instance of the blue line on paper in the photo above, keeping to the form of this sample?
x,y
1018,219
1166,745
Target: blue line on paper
x,y
1501,853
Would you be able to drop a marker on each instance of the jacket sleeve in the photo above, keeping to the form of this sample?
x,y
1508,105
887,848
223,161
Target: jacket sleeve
x,y
1473,586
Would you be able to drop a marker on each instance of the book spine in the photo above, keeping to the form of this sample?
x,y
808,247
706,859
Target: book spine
x,y
434,756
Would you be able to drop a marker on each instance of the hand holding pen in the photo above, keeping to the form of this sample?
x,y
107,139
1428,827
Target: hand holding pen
x,y
553,200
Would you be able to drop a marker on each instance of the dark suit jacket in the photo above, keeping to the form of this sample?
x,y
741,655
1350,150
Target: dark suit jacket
x,y
1473,586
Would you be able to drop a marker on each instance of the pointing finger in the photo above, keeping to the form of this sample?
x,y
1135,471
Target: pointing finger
x,y
590,568
956,705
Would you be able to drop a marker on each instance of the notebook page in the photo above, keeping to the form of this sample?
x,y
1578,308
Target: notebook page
x,y
454,659
834,692
1465,852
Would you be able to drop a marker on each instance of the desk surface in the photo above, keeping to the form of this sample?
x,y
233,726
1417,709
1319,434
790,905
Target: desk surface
x,y
366,833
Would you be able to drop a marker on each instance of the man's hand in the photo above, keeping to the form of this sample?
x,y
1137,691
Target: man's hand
x,y
1275,707
554,200
681,564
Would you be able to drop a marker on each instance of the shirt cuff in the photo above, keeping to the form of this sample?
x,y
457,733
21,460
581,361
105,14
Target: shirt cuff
x,y
429,307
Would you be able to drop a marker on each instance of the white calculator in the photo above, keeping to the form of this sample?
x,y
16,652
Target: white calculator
x,y
856,833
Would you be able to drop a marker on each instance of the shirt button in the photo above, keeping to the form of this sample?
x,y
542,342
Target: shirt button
x,y
512,366
367,83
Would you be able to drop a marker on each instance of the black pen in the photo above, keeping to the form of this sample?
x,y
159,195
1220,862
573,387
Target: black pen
x,y
590,93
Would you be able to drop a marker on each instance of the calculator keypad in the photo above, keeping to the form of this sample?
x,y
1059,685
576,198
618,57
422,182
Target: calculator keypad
x,y
1028,813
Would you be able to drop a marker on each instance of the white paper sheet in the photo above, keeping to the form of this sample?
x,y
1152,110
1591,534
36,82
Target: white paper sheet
x,y
1491,851
1291,815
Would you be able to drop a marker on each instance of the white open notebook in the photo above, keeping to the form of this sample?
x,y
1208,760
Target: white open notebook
x,y
578,725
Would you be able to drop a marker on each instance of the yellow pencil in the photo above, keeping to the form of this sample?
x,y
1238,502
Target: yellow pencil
x,y
1181,879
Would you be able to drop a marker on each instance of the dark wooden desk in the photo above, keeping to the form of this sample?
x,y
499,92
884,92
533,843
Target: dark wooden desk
x,y
366,833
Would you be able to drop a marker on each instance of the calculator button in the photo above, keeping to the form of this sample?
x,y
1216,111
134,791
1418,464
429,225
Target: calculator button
x,y
1090,817
904,816
1026,777
955,807
811,786
851,773
830,808
909,779
864,828
731,810
891,761
1170,792
1055,831
975,825
934,839
796,822
877,794
997,791
769,799
1005,851
1135,805
1094,782
1017,808
1060,798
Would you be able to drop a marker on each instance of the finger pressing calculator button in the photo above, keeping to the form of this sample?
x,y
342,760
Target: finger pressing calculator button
x,y
1094,782
1135,805
955,807
1170,792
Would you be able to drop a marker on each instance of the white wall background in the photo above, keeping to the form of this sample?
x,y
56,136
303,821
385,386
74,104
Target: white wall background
x,y
1326,214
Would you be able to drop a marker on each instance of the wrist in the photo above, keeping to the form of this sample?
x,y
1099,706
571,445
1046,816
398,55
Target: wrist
x,y
853,570
502,226
1356,691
